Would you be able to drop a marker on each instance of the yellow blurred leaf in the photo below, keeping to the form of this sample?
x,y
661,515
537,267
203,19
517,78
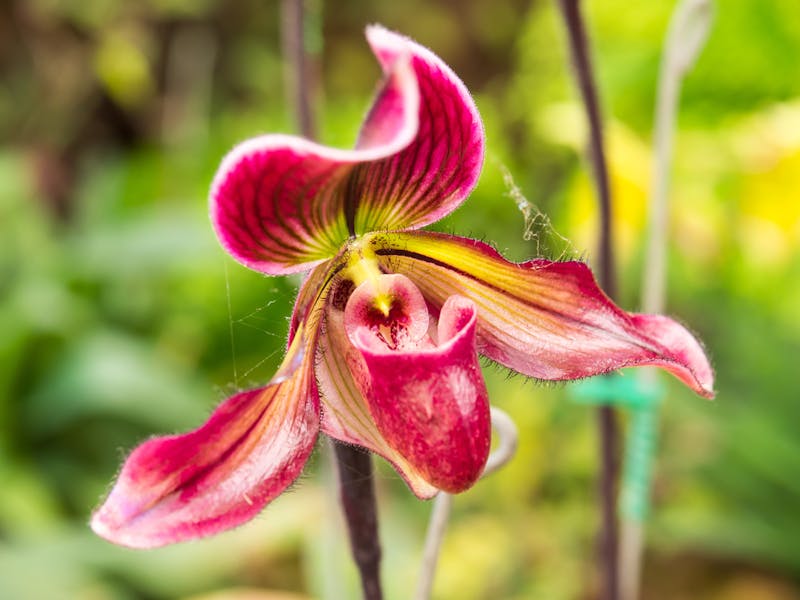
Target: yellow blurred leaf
x,y
123,68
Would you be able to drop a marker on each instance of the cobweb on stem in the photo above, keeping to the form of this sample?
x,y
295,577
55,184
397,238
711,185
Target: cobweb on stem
x,y
537,227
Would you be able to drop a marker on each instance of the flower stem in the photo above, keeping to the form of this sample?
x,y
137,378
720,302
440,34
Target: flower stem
x,y
581,63
357,493
297,74
437,526
606,417
354,466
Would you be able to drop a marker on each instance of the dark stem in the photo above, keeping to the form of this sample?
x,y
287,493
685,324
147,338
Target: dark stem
x,y
581,62
298,69
609,475
607,425
354,466
357,494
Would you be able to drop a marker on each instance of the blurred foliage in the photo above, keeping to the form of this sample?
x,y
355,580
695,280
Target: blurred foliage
x,y
120,317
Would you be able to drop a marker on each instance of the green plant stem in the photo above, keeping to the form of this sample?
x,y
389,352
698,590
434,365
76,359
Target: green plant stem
x,y
688,30
507,441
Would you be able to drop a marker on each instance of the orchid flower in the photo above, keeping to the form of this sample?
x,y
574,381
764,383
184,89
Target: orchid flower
x,y
389,322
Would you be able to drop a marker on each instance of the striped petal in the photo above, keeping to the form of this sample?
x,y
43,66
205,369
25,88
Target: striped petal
x,y
253,446
544,319
433,175
311,297
281,204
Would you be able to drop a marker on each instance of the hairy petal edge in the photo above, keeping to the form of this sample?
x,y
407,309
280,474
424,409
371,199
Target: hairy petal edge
x,y
544,319
181,487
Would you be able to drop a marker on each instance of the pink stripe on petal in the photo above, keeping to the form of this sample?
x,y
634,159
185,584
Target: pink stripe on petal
x,y
274,203
429,401
182,487
544,319
280,204
433,175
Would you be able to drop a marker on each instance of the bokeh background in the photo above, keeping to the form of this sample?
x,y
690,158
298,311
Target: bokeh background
x,y
120,317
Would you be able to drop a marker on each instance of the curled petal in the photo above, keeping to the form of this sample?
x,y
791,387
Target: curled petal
x,y
429,401
345,412
182,487
433,175
281,204
544,319
431,404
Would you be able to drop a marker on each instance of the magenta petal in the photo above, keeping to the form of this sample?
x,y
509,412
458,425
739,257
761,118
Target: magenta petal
x,y
429,402
544,319
182,487
280,204
388,314
684,350
345,412
433,175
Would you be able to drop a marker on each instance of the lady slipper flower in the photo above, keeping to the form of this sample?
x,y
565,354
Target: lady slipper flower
x,y
388,325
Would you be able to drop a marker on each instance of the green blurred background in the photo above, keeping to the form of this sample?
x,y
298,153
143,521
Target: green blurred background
x,y
120,317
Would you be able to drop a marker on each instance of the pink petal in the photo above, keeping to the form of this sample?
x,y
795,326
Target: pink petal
x,y
541,318
345,412
404,327
182,487
433,175
429,401
280,204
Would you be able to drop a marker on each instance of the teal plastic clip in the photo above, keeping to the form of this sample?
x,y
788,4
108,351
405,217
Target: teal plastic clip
x,y
641,396
628,390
